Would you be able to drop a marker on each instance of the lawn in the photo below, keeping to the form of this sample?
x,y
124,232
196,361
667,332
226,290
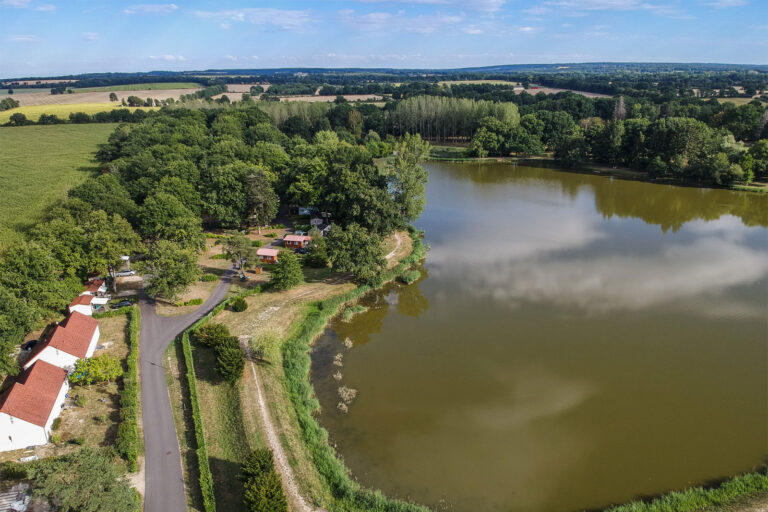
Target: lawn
x,y
33,112
38,164
159,86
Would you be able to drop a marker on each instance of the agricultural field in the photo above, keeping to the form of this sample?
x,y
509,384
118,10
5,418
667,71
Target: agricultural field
x,y
102,96
38,164
33,112
159,86
4,92
465,82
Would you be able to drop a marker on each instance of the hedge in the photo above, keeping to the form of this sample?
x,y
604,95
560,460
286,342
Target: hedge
x,y
204,468
127,441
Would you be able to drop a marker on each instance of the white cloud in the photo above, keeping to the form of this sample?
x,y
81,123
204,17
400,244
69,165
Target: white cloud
x,y
279,18
24,38
582,7
91,36
385,21
475,5
168,57
230,57
473,30
45,8
528,30
724,4
150,9
15,3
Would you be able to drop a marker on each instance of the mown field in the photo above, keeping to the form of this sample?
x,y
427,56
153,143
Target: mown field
x,y
38,164
159,86
33,112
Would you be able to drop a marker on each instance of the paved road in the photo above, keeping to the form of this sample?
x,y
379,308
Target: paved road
x,y
164,491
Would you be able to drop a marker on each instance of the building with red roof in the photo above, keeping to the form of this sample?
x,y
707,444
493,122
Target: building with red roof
x,y
87,303
28,408
74,338
267,255
296,241
95,287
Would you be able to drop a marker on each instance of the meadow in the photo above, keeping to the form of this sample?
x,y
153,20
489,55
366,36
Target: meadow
x,y
159,86
33,112
38,164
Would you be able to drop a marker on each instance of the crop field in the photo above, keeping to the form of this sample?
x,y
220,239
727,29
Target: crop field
x,y
33,112
159,86
38,164
46,98
4,92
464,82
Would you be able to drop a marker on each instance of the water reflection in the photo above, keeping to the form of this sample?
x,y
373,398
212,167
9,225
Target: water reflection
x,y
575,344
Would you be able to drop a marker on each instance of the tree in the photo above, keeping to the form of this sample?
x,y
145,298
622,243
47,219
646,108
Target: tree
x,y
262,489
317,250
18,119
287,273
112,96
97,369
163,216
407,178
172,269
357,250
211,334
238,248
229,360
84,481
261,198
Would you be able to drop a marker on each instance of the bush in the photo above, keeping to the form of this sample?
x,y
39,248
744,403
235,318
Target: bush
x,y
278,226
56,438
191,302
81,401
256,243
209,278
262,488
211,335
56,424
270,235
229,360
127,441
239,305
220,256
287,272
409,277
13,471
100,419
79,440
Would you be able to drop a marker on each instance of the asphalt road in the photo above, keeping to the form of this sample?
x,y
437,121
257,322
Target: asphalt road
x,y
164,490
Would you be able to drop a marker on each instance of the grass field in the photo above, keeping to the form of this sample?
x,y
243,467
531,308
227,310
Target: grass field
x,y
159,86
735,101
463,82
38,164
4,92
33,112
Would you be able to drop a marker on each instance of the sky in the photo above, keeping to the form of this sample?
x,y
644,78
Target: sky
x,y
55,37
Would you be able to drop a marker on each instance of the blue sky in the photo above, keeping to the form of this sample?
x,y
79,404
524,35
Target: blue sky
x,y
52,37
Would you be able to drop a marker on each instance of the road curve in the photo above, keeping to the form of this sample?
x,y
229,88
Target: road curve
x,y
164,480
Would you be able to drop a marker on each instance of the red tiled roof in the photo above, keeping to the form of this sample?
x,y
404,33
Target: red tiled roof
x,y
72,336
34,394
94,285
297,238
81,300
267,252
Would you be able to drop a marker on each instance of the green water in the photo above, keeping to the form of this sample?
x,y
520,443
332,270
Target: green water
x,y
575,341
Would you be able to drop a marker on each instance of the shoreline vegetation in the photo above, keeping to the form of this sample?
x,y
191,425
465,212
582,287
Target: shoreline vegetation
x,y
456,155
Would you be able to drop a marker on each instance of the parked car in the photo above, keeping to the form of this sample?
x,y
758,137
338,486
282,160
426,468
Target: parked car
x,y
125,273
122,304
30,345
301,250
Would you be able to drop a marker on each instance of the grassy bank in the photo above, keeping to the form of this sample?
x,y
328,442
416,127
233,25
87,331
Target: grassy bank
x,y
38,164
62,111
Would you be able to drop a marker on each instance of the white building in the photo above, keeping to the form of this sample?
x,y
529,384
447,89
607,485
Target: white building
x,y
74,338
97,288
87,303
28,408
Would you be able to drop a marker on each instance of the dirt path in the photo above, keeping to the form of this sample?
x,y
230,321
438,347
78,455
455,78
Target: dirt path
x,y
397,246
273,440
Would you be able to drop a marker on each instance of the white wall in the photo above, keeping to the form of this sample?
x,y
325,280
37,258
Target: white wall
x,y
56,357
81,308
16,433
57,407
94,342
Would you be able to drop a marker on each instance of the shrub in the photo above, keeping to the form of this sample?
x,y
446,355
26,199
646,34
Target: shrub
x,y
81,401
409,277
270,235
127,440
13,471
220,256
262,490
100,419
56,438
79,440
239,305
56,424
256,243
211,334
278,226
209,278
287,272
229,360
193,302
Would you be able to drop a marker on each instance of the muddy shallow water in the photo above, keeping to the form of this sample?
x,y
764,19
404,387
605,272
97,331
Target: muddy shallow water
x,y
574,341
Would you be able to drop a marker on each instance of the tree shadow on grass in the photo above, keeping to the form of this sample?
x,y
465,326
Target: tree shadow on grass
x,y
227,487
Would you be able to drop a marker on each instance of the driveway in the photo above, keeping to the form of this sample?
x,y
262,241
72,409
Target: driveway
x,y
164,491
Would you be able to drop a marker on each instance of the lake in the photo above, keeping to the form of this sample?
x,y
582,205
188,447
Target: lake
x,y
575,341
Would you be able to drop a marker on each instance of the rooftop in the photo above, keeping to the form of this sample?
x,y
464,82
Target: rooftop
x,y
267,252
82,300
72,336
297,238
34,394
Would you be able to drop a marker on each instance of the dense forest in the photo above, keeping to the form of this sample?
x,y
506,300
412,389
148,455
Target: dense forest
x,y
178,171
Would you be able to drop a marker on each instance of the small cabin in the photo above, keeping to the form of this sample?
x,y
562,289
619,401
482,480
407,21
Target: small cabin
x,y
296,241
95,287
267,255
87,304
